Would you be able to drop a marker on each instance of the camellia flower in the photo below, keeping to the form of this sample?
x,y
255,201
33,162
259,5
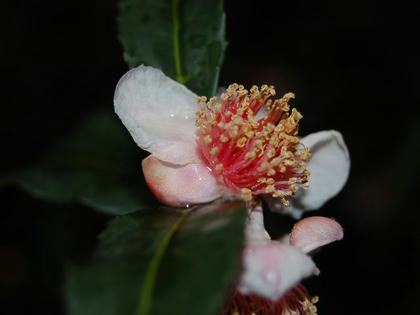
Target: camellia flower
x,y
242,143
272,270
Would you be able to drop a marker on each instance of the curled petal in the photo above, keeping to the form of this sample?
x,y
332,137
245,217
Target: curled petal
x,y
272,268
329,167
313,232
180,186
159,113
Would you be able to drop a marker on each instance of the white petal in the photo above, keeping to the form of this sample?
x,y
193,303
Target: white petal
x,y
254,229
313,232
329,167
273,268
159,113
179,186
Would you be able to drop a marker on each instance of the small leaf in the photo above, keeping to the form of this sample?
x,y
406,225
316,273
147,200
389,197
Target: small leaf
x,y
97,164
193,274
184,38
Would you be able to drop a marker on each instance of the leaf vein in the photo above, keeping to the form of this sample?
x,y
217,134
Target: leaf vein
x,y
146,292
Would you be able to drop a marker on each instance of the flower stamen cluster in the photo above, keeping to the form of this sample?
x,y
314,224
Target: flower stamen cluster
x,y
249,154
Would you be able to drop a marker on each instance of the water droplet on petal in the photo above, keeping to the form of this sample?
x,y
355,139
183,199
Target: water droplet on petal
x,y
271,276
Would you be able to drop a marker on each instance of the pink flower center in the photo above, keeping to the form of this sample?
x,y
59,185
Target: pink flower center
x,y
249,154
295,302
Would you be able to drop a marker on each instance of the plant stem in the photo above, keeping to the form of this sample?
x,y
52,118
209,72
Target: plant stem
x,y
177,56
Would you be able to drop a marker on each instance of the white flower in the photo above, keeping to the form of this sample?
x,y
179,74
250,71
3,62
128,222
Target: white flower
x,y
244,144
271,268
228,149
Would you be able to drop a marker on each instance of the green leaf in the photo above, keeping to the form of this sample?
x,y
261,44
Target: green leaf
x,y
161,261
97,164
184,38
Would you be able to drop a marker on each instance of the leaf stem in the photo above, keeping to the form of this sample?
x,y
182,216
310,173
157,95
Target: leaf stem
x,y
146,292
177,56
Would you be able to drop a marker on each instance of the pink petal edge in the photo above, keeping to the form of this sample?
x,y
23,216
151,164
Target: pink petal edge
x,y
180,186
313,232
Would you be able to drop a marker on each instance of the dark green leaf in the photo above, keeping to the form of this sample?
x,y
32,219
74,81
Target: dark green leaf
x,y
97,164
198,264
184,38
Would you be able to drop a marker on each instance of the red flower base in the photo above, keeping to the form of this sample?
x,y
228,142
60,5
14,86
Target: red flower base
x,y
295,302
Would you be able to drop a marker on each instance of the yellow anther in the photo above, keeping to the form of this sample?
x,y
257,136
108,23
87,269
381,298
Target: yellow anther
x,y
241,142
246,194
271,172
237,120
201,99
241,111
223,138
289,162
296,115
259,143
232,88
293,188
292,180
276,161
271,152
207,139
234,131
269,189
219,167
270,181
214,151
250,155
250,134
264,166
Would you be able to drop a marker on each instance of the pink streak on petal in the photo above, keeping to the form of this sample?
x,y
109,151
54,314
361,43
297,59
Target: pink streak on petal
x,y
313,232
180,186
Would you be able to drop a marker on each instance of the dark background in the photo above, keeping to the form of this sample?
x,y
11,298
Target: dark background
x,y
352,66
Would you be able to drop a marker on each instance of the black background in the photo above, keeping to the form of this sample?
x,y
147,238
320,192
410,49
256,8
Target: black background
x,y
353,66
